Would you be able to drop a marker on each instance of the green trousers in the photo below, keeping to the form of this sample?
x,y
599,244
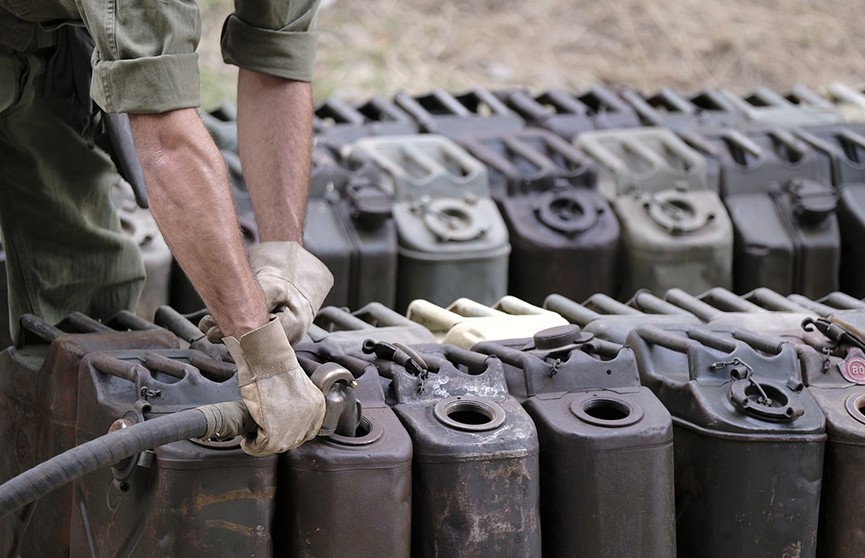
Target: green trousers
x,y
65,249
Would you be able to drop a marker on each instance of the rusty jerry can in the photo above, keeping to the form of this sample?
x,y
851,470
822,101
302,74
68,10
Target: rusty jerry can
x,y
466,322
612,320
778,192
187,498
606,444
475,478
570,114
748,439
845,146
563,233
452,239
38,409
675,231
350,229
323,484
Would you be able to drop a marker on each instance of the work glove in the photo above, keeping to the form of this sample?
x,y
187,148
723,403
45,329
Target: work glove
x,y
287,407
294,283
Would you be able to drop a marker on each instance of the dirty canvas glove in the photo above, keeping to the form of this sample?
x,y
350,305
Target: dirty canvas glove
x,y
294,283
283,401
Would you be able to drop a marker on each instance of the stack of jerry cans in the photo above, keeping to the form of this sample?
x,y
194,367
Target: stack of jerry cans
x,y
475,480
339,123
778,192
675,231
452,239
606,444
454,116
38,408
324,484
612,320
748,439
800,107
350,229
187,498
563,233
845,146
569,115
466,322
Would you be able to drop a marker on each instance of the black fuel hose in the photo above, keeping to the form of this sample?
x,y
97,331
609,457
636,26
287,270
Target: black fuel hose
x,y
222,419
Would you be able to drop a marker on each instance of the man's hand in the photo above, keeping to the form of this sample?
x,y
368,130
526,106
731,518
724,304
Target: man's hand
x,y
287,407
294,283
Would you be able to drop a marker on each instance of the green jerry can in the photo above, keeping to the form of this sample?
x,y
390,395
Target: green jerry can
x,y
606,444
452,239
749,439
675,230
778,193
475,478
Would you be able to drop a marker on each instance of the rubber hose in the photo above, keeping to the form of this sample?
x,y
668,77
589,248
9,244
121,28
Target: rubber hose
x,y
102,452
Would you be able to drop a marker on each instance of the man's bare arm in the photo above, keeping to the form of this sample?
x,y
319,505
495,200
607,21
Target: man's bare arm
x,y
190,200
274,118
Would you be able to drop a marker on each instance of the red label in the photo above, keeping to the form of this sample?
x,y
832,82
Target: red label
x,y
853,369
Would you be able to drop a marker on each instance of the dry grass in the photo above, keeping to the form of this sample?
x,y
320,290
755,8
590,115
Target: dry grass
x,y
382,46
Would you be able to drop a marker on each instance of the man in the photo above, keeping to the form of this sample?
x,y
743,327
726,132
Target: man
x,y
64,247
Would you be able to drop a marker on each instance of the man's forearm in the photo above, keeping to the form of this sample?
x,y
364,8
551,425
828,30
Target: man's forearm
x,y
274,118
190,200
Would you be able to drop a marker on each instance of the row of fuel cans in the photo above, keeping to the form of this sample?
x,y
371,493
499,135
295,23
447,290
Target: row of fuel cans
x,y
713,425
484,194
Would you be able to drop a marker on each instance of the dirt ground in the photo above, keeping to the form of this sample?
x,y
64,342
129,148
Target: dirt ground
x,y
378,47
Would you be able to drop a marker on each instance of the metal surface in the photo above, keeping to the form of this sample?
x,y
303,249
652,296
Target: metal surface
x,y
477,110
606,445
475,486
748,440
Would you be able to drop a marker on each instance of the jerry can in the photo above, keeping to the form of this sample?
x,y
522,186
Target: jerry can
x,y
748,438
38,408
845,146
350,229
343,331
187,498
326,481
800,107
476,110
475,480
669,109
778,192
721,307
833,369
675,231
545,189
452,239
338,123
606,444
466,322
611,320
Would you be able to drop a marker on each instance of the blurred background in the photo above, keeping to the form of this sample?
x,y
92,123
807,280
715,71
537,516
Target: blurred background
x,y
378,47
